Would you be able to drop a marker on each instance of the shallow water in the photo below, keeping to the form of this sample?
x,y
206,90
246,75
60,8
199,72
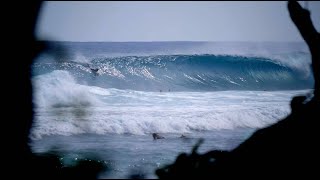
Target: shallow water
x,y
125,154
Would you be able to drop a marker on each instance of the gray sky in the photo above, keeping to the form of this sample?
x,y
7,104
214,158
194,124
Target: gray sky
x,y
170,21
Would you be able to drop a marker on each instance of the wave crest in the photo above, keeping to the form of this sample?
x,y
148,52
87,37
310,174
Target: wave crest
x,y
204,72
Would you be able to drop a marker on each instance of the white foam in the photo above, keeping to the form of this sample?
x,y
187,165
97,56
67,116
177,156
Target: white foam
x,y
59,88
134,112
79,58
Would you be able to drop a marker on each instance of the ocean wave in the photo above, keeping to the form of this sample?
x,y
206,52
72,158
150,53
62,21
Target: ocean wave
x,y
205,72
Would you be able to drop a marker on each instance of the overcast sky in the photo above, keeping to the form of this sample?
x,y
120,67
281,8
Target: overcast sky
x,y
169,21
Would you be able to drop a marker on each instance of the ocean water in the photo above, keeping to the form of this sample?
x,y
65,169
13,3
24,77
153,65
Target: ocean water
x,y
104,100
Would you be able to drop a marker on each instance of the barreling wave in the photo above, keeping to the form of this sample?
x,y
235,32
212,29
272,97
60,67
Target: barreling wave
x,y
114,87
204,72
65,107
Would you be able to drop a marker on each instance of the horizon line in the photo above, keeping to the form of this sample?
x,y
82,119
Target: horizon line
x,y
167,41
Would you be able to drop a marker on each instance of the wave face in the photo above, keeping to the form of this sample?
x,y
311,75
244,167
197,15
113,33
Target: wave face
x,y
184,73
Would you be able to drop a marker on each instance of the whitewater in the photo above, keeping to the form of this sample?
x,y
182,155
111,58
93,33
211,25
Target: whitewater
x,y
108,98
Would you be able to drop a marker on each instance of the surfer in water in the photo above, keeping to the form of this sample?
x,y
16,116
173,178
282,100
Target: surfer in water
x,y
183,136
94,70
157,136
